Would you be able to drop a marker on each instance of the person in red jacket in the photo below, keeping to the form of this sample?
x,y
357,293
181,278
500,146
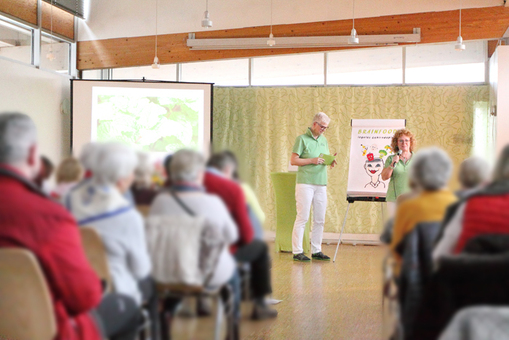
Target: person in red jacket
x,y
247,249
482,212
30,220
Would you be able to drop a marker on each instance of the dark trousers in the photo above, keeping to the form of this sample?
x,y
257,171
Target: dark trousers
x,y
256,254
118,317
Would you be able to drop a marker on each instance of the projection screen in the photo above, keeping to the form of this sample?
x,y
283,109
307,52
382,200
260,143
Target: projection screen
x,y
156,117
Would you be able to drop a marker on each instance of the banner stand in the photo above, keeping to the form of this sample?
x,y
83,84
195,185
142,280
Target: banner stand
x,y
350,201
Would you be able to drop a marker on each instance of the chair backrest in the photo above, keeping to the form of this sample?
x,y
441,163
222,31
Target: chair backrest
x,y
96,255
26,309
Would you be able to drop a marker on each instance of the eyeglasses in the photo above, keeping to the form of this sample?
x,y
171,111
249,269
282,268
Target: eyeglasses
x,y
321,126
403,141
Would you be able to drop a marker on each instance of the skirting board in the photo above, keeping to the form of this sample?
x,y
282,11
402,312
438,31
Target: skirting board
x,y
332,238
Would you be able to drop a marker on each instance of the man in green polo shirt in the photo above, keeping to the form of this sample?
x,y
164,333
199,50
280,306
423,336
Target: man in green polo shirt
x,y
311,187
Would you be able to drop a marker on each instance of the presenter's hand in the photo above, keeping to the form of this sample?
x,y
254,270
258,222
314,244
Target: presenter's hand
x,y
395,159
334,162
317,160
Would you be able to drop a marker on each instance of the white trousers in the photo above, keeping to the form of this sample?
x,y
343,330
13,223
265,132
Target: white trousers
x,y
305,195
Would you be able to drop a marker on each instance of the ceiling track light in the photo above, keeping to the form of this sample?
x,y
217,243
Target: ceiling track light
x,y
460,46
155,64
301,42
354,39
271,42
206,22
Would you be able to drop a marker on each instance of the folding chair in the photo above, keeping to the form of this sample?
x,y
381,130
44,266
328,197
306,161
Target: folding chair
x,y
26,308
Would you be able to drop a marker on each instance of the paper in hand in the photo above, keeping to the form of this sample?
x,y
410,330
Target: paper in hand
x,y
328,159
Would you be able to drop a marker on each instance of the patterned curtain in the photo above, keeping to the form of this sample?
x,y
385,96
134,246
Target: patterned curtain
x,y
260,125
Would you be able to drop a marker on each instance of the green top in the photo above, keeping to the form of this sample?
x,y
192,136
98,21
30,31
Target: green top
x,y
399,180
306,146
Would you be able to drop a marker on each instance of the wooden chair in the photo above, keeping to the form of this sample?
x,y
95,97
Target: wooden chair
x,y
96,255
26,308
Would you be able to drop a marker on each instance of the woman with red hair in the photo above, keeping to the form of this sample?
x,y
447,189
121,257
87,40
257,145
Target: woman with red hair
x,y
397,166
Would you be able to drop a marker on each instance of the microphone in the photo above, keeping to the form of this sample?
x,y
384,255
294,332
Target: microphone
x,y
400,152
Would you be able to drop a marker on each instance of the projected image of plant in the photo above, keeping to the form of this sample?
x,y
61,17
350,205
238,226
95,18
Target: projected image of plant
x,y
153,124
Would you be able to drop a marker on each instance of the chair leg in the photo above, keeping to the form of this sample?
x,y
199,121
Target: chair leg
x,y
164,322
219,317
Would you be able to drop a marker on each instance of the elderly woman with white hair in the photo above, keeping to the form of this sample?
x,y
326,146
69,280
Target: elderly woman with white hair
x,y
483,212
474,172
100,203
431,170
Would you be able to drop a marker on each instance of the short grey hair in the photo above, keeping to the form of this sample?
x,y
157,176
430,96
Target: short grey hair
x,y
321,117
501,171
186,165
17,134
114,161
473,172
89,153
431,168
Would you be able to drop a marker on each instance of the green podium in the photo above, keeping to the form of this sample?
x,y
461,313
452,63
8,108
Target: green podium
x,y
286,211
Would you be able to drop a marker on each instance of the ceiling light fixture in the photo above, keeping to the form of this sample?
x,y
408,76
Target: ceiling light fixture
x,y
271,42
460,46
354,39
156,64
206,22
301,42
50,56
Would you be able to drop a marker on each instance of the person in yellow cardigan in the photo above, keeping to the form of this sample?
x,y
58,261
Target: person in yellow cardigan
x,y
431,170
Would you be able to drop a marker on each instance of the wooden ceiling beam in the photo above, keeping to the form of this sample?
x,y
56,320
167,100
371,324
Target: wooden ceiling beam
x,y
477,23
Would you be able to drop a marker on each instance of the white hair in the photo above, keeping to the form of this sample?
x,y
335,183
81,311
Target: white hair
x,y
321,117
114,161
17,134
89,153
473,172
186,165
431,168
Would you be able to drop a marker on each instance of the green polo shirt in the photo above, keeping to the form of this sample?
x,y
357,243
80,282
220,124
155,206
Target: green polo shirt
x,y
306,146
399,180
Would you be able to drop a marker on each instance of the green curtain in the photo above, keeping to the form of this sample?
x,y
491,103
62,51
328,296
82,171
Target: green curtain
x,y
260,125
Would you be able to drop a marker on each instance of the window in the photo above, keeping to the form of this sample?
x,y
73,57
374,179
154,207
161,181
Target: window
x,y
224,72
299,69
166,73
366,66
15,42
54,54
442,64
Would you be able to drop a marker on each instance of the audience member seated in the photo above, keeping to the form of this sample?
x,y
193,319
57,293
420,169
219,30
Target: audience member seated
x,y
479,322
68,174
474,173
143,189
225,163
100,203
186,170
88,157
42,178
246,250
483,212
30,220
431,170
386,235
